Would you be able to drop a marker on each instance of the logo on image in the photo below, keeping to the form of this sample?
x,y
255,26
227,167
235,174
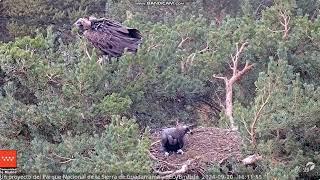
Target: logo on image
x,y
8,159
309,167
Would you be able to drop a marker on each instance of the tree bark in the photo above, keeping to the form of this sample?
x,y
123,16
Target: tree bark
x,y
229,104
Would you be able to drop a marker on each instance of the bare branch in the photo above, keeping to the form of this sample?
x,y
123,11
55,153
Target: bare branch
x,y
246,127
154,143
284,21
164,162
251,159
87,52
275,31
190,59
219,100
154,46
204,49
183,66
182,170
239,51
236,75
69,160
230,66
183,39
257,116
162,173
258,8
258,113
239,74
61,156
66,159
220,77
235,58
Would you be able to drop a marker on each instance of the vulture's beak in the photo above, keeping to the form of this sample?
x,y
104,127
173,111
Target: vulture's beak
x,y
189,130
79,27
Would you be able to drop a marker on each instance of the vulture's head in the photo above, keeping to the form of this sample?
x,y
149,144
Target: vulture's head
x,y
186,129
83,24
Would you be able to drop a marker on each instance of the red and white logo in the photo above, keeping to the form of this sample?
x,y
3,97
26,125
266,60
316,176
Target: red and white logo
x,y
8,159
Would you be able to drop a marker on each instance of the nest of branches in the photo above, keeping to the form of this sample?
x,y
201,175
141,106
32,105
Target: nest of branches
x,y
205,147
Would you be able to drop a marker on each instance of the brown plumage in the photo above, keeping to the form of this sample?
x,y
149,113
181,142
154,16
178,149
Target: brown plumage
x,y
172,139
109,36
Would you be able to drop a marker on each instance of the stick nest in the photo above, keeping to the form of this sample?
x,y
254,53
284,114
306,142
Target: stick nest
x,y
203,148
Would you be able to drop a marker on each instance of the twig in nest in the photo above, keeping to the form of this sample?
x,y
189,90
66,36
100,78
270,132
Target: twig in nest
x,y
163,173
222,161
169,174
154,143
200,130
164,162
182,170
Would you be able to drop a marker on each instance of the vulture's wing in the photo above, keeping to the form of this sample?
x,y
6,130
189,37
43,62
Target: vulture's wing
x,y
164,139
116,26
112,38
171,140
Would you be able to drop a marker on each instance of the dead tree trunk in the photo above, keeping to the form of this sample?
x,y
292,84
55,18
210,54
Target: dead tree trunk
x,y
229,103
284,19
236,75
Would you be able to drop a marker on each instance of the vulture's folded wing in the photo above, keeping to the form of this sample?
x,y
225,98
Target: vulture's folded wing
x,y
112,38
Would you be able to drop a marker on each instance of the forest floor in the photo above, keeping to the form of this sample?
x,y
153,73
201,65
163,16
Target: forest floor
x,y
206,146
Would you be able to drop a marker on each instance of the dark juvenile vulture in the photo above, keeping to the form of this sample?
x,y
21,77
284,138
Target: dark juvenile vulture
x,y
172,139
109,36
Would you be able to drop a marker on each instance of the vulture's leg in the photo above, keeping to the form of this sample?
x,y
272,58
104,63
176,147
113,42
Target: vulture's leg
x,y
164,142
180,144
180,151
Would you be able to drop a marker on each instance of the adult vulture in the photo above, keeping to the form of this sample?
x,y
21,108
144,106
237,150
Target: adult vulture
x,y
172,139
109,36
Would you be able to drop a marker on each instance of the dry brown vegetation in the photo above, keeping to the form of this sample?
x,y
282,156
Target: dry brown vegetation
x,y
203,148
